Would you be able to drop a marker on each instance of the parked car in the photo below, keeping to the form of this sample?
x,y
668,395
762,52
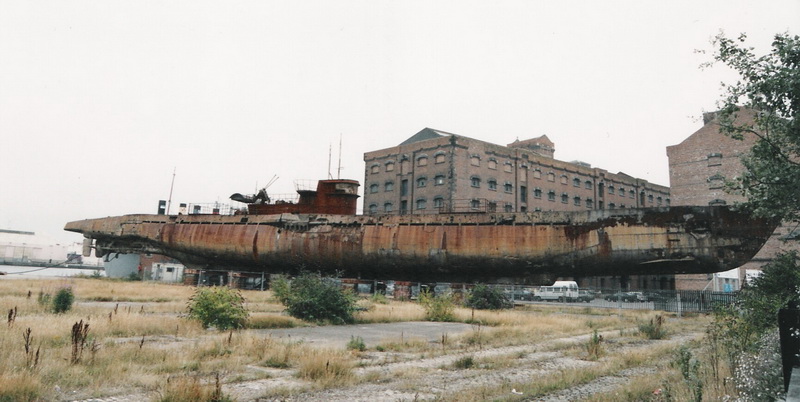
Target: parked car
x,y
624,296
585,296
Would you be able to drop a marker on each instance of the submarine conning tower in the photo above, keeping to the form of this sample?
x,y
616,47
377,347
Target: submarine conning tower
x,y
338,197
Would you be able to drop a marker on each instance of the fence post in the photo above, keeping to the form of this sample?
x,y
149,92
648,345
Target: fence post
x,y
679,304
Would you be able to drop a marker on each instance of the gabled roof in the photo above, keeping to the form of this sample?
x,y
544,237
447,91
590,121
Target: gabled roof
x,y
426,134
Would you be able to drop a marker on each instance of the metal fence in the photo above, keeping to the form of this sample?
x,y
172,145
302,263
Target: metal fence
x,y
677,301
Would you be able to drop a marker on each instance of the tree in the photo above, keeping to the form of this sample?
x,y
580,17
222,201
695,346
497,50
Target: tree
x,y
312,297
483,297
218,307
769,87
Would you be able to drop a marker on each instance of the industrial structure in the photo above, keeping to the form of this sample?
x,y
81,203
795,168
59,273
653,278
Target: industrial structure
x,y
699,167
435,171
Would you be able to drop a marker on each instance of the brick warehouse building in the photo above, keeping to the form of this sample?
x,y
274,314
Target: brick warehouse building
x,y
435,171
438,172
698,169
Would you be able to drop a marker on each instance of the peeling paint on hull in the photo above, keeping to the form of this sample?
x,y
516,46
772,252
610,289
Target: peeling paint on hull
x,y
455,247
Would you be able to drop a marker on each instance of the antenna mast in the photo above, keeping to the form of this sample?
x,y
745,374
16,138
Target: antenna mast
x,y
330,147
171,186
339,171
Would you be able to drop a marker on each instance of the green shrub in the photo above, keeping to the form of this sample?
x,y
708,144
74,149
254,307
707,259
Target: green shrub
x,y
356,343
63,300
312,297
465,362
44,298
218,307
654,329
438,307
280,289
483,297
594,348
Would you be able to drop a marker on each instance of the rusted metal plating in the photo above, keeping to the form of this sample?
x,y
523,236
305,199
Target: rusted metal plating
x,y
448,247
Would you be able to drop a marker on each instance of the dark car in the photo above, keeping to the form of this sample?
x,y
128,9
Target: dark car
x,y
585,296
624,296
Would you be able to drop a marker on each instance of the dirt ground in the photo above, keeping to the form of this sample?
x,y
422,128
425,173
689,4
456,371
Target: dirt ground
x,y
415,377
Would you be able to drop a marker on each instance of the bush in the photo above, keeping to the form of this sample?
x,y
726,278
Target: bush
x,y
437,308
654,329
62,302
356,343
483,297
312,297
594,348
218,307
464,363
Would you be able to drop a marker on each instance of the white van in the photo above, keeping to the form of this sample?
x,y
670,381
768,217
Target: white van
x,y
559,290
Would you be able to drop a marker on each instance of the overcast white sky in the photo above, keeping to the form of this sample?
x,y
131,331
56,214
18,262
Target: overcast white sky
x,y
101,100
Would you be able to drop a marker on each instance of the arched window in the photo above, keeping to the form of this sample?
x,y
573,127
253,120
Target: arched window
x,y
588,184
564,179
537,192
576,182
551,176
492,163
422,203
576,201
389,166
422,181
373,188
438,180
422,160
475,160
492,183
388,186
438,202
564,198
508,187
387,207
438,157
376,168
475,181
551,195
373,208
537,174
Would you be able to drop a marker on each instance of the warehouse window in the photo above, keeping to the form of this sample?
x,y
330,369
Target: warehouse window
x,y
475,181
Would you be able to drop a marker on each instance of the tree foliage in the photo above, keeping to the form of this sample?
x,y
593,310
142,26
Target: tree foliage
x,y
483,297
312,297
769,86
218,307
63,300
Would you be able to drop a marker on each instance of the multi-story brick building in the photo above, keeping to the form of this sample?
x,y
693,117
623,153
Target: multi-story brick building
x,y
698,168
435,171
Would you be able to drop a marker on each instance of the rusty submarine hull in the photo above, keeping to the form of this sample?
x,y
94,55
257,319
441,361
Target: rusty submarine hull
x,y
290,237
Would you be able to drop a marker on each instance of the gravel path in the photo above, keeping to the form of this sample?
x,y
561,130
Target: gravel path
x,y
394,377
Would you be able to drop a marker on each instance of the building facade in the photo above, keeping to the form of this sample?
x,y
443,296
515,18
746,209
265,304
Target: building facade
x,y
439,172
698,168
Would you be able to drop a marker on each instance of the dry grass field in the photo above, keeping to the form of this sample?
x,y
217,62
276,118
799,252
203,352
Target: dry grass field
x,y
138,346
